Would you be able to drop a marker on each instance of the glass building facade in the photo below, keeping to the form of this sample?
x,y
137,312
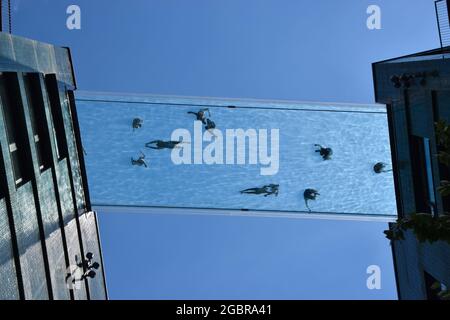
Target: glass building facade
x,y
49,241
416,91
209,169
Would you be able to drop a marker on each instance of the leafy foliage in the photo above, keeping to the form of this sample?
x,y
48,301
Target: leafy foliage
x,y
442,294
425,227
443,134
444,189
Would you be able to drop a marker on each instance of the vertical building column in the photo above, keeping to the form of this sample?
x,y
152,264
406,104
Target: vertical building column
x,y
74,169
8,186
21,205
55,169
36,172
65,180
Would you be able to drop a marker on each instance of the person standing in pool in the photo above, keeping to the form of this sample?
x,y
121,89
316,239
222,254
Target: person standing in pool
x,y
200,115
159,144
137,123
140,161
380,167
326,153
308,195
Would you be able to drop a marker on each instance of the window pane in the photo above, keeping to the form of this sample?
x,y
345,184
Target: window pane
x,y
57,117
38,119
16,127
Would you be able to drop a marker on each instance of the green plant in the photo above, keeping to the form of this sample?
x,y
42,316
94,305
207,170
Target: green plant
x,y
424,226
442,294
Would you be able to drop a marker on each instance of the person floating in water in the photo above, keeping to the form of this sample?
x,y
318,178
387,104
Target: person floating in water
x,y
326,153
139,161
274,188
201,114
159,144
137,123
267,190
380,167
310,194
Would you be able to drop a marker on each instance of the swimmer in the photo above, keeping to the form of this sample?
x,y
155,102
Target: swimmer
x,y
137,123
380,167
310,194
210,127
139,161
266,190
326,153
200,115
159,144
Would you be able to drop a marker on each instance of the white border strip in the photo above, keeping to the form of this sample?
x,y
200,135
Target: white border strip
x,y
237,213
95,95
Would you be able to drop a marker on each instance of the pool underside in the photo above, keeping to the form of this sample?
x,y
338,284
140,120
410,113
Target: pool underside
x,y
204,172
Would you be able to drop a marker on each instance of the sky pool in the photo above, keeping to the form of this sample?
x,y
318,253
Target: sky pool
x,y
358,135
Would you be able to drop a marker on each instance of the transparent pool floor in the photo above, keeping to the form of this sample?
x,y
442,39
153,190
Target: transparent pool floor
x,y
357,134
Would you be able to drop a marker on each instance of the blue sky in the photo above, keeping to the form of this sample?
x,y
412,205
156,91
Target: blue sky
x,y
315,50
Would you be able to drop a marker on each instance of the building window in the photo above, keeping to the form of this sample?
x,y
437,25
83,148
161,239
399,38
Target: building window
x,y
425,196
15,127
38,120
3,182
439,104
59,133
429,172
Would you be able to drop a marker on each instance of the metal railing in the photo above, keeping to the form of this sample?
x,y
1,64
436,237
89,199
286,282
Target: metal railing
x,y
442,16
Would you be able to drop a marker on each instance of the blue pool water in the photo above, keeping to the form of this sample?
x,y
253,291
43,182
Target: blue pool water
x,y
347,184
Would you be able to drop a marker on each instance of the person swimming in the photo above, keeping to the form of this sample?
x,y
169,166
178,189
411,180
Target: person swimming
x,y
137,123
310,195
210,125
274,188
380,167
326,153
267,190
139,161
159,144
200,115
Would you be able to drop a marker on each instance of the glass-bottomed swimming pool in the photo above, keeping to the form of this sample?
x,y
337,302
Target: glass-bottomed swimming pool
x,y
357,134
